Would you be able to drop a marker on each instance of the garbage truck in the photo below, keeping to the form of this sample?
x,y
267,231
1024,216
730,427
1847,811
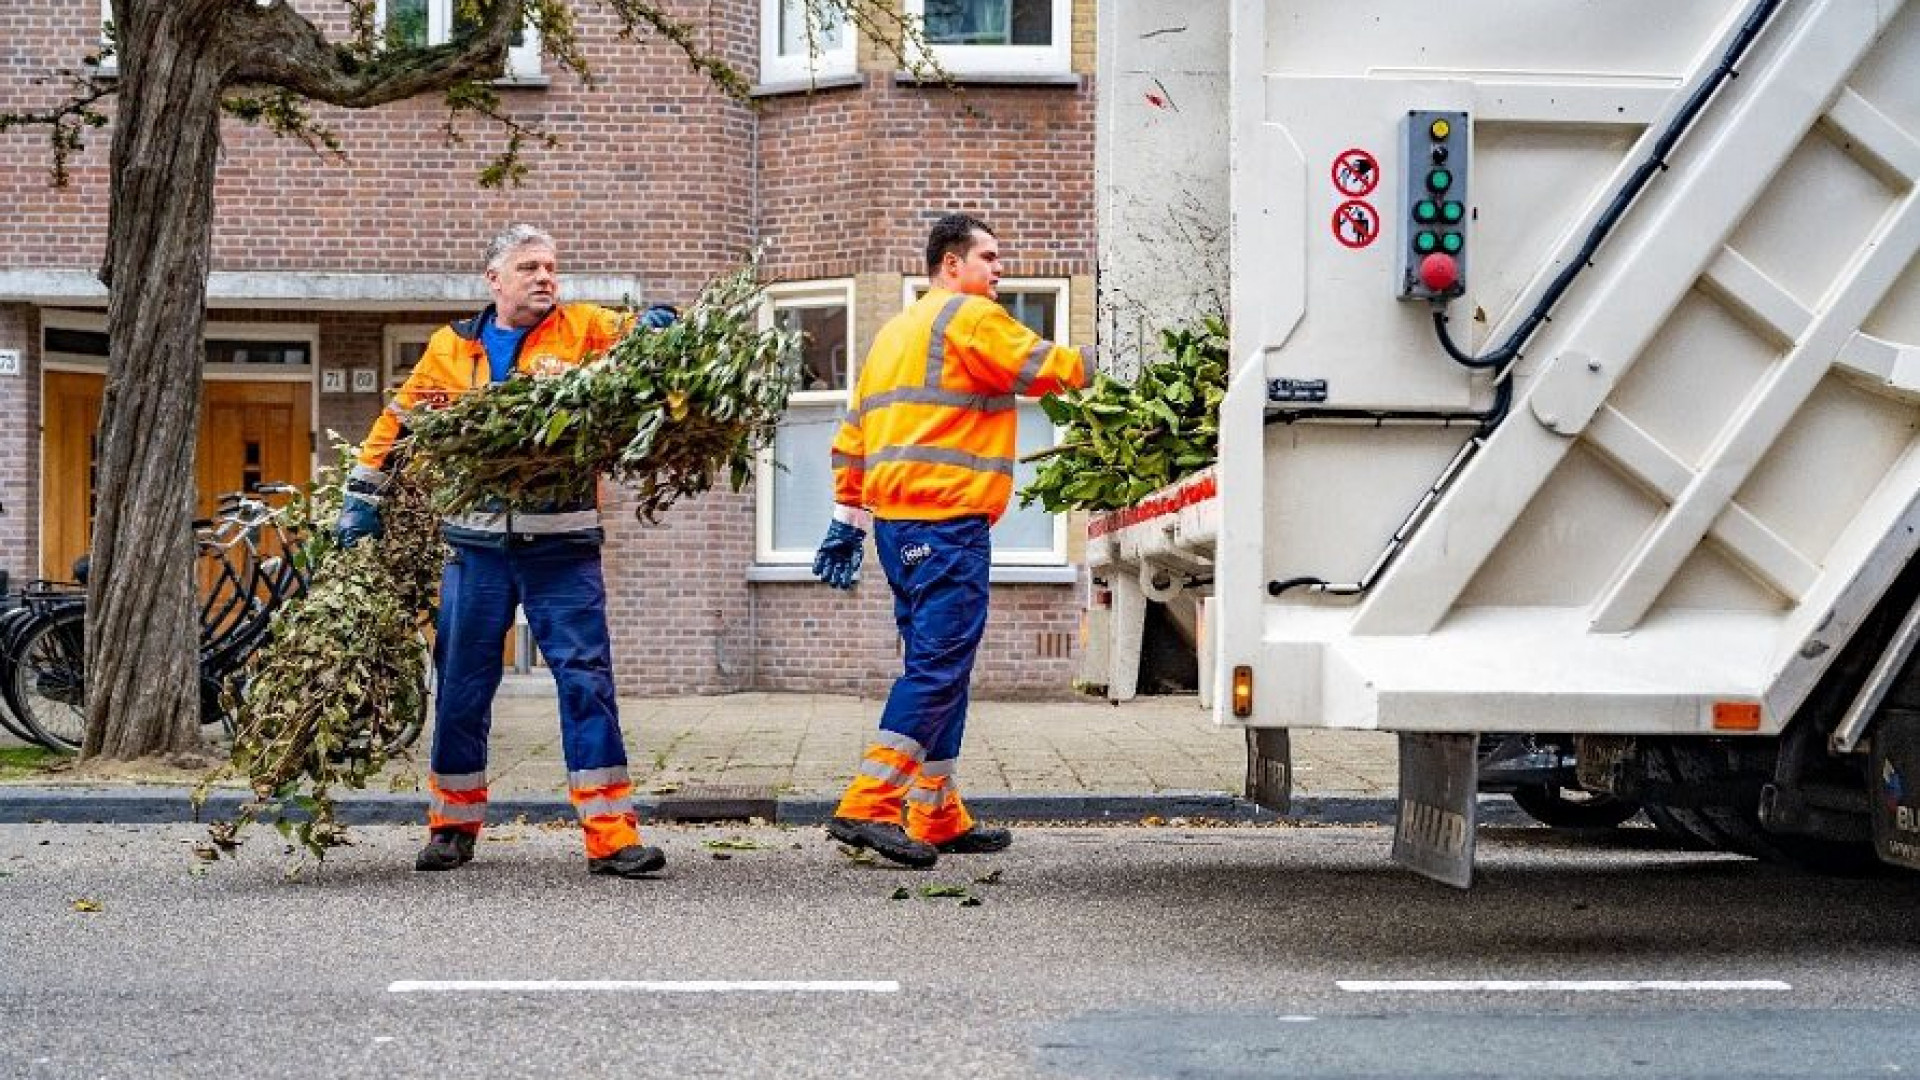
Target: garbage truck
x,y
1574,397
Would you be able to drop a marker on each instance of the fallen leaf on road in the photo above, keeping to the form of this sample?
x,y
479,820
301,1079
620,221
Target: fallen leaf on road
x,y
733,843
900,893
858,855
86,905
934,892
721,856
991,877
972,901
206,853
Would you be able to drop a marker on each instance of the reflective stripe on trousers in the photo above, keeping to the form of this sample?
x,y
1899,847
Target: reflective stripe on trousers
x,y
603,799
456,801
934,810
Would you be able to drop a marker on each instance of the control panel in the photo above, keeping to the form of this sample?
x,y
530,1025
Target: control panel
x,y
1432,262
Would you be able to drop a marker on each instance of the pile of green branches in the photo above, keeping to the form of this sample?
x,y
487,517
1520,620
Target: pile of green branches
x,y
1122,441
663,411
341,683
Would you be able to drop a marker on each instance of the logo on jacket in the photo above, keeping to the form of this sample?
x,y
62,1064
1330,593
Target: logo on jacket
x,y
547,365
915,554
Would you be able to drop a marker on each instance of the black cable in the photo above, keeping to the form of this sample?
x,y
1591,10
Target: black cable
x,y
1623,199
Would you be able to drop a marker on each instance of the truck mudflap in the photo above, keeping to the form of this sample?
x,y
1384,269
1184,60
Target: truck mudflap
x,y
1439,799
1896,799
1270,769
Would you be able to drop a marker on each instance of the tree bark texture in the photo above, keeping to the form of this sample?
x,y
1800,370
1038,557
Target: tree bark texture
x,y
177,58
143,628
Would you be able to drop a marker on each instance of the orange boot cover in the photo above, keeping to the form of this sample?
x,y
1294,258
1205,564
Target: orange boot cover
x,y
935,813
887,770
457,801
604,800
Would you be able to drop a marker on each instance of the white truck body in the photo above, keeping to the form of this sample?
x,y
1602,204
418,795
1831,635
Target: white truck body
x,y
1707,477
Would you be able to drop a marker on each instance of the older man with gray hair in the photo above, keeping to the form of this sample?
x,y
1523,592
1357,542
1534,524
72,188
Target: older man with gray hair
x,y
545,559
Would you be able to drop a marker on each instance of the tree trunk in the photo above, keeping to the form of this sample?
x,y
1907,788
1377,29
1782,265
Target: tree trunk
x,y
143,629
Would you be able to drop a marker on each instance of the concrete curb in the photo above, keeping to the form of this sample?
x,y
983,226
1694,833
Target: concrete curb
x,y
150,805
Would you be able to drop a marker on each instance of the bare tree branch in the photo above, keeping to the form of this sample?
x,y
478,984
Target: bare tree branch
x,y
279,47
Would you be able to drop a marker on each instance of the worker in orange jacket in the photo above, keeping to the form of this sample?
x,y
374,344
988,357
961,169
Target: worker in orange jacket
x,y
925,456
545,559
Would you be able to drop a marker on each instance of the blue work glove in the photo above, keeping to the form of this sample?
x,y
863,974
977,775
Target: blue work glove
x,y
840,554
659,316
359,520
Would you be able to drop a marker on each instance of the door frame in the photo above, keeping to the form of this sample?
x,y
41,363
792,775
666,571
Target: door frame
x,y
95,320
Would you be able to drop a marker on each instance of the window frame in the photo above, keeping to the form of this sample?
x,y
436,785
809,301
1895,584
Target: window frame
x,y
96,322
523,60
1055,58
1062,289
779,70
821,293
392,336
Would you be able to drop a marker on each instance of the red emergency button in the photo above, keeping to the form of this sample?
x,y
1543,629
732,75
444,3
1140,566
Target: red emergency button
x,y
1439,272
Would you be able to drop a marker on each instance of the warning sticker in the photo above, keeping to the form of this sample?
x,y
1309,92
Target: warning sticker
x,y
1356,223
1355,173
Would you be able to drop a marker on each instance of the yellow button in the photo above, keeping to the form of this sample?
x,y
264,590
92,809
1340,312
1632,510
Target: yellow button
x,y
1439,129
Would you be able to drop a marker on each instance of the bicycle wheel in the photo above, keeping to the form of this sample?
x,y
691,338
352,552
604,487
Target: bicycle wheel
x,y
47,686
12,622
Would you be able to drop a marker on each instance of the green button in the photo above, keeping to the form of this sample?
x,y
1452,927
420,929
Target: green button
x,y
1451,212
1439,180
1425,210
1451,243
1424,243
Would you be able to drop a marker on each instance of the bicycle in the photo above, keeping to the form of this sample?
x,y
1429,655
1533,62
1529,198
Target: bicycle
x,y
244,582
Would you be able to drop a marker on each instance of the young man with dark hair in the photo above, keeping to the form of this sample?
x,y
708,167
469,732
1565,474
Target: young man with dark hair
x,y
925,456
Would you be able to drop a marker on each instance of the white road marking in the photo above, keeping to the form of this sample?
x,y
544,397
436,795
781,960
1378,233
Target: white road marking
x,y
643,986
1387,986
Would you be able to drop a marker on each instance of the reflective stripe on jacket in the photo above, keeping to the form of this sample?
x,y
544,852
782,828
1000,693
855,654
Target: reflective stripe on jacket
x,y
455,362
930,424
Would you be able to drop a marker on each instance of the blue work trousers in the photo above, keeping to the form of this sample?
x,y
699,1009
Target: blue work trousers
x,y
560,586
938,573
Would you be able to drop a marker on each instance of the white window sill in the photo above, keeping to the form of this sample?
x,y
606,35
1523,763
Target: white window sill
x,y
992,78
783,87
523,82
782,574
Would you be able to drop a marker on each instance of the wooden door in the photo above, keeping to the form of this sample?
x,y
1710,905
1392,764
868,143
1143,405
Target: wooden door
x,y
249,432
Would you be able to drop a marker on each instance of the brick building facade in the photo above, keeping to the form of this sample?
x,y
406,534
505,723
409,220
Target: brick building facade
x,y
327,274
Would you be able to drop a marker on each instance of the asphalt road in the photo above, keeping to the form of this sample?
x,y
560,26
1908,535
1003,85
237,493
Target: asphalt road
x,y
1097,953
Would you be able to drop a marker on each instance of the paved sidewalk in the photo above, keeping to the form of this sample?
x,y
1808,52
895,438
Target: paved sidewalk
x,y
787,756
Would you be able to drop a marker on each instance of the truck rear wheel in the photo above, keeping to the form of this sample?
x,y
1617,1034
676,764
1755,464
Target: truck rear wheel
x,y
1733,823
1573,808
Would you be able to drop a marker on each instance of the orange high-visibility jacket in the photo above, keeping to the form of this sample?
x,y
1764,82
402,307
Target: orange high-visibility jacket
x,y
455,362
929,429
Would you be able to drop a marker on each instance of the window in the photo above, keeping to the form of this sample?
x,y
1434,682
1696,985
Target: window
x,y
420,23
1027,536
109,65
795,484
77,341
998,37
404,345
803,41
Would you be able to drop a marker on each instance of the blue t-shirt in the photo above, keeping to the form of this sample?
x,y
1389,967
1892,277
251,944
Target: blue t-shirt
x,y
502,345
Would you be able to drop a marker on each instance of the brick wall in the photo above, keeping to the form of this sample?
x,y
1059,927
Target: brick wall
x,y
660,179
20,445
650,180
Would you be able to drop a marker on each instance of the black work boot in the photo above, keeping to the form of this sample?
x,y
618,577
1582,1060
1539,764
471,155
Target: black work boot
x,y
885,839
447,849
631,861
979,840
